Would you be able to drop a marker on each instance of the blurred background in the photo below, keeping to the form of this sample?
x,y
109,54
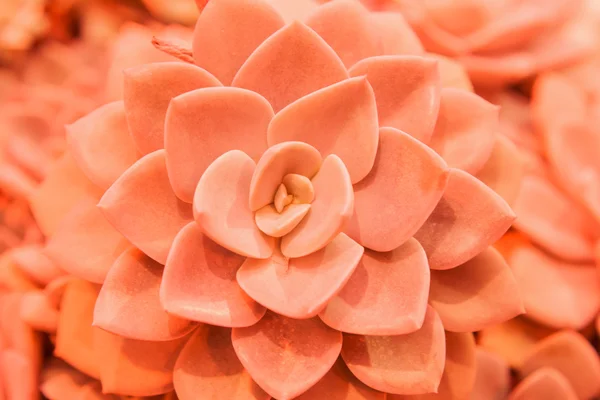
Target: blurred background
x,y
537,59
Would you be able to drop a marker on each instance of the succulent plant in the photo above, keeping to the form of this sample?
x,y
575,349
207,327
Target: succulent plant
x,y
294,214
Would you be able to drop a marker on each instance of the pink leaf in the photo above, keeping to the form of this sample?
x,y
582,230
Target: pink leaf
x,y
228,31
466,129
573,356
402,364
291,63
407,89
386,295
203,124
352,41
129,305
286,356
199,282
74,336
480,293
136,367
208,365
329,212
492,377
468,218
221,206
340,384
300,287
400,192
101,145
556,293
148,90
545,383
85,244
504,170
19,376
64,187
317,119
459,370
38,312
553,220
34,262
142,206
278,161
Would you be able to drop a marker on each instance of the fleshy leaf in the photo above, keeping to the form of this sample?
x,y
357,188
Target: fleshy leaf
x,y
550,93
300,287
340,384
477,294
64,187
299,187
573,356
16,334
27,150
492,377
221,206
353,40
500,69
277,162
74,336
504,170
329,212
387,213
318,119
556,293
553,220
133,47
35,263
142,206
286,356
101,145
544,383
407,89
574,163
394,34
512,340
129,304
452,73
560,48
148,90
364,34
208,365
199,282
85,244
203,124
522,22
55,290
13,277
93,391
294,10
16,182
459,370
466,129
135,367
228,31
291,63
60,381
38,312
402,364
468,218
277,224
386,295
19,376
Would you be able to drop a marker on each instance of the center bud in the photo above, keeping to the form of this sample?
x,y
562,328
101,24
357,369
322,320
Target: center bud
x,y
281,189
291,202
